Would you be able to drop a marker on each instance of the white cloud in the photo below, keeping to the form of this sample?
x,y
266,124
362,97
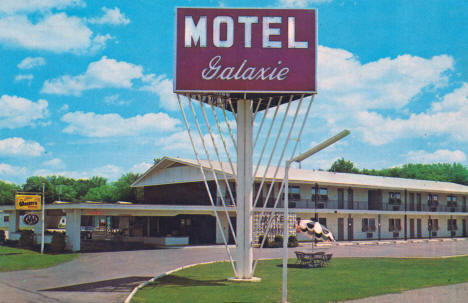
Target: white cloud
x,y
140,167
31,62
9,170
162,86
18,112
111,16
54,163
111,125
25,77
57,33
28,6
299,3
115,100
439,156
19,147
103,73
356,95
447,118
180,145
109,171
382,84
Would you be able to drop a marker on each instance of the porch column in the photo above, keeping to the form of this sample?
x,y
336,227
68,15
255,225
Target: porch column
x,y
73,229
13,221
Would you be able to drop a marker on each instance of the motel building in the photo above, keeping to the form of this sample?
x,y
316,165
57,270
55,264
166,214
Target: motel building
x,y
177,211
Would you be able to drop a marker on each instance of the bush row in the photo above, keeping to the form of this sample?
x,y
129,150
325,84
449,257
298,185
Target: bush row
x,y
278,241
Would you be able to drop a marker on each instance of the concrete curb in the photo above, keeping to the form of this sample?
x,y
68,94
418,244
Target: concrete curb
x,y
140,286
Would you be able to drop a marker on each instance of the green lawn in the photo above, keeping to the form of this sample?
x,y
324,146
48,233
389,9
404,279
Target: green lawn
x,y
21,259
344,278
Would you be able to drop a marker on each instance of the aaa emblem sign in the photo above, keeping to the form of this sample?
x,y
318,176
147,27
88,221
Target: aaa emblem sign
x,y
28,202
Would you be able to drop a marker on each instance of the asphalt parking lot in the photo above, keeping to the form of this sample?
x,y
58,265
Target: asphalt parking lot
x,y
111,276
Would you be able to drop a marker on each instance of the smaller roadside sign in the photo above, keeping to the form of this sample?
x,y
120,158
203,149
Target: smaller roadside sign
x,y
31,219
28,202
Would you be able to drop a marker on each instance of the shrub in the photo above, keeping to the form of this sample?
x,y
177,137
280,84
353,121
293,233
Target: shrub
x,y
2,236
26,239
58,242
267,241
277,241
292,241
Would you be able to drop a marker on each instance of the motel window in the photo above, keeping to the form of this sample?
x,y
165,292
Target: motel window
x,y
394,195
452,198
294,192
368,225
6,219
432,197
452,224
323,193
394,225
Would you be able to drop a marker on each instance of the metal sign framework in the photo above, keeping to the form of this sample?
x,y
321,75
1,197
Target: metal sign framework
x,y
276,121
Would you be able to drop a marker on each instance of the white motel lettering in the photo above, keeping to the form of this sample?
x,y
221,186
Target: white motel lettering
x,y
196,34
216,71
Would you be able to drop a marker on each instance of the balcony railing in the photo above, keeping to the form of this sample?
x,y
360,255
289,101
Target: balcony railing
x,y
358,205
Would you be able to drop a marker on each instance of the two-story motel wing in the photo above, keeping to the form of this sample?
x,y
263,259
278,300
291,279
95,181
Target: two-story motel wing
x,y
176,209
352,206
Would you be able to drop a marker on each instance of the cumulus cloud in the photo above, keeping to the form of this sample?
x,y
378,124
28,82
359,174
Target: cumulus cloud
x,y
103,73
447,117
111,125
109,171
54,163
111,16
25,77
439,156
162,86
140,167
19,112
31,62
11,171
28,6
19,147
56,33
372,99
115,100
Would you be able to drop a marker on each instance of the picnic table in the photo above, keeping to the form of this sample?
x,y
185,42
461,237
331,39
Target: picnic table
x,y
313,259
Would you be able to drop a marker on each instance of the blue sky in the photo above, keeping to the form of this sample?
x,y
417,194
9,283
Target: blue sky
x,y
85,86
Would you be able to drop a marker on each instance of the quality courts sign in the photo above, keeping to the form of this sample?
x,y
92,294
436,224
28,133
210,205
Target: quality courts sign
x,y
246,50
28,202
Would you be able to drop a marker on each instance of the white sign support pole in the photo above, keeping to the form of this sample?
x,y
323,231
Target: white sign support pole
x,y
43,219
286,233
244,189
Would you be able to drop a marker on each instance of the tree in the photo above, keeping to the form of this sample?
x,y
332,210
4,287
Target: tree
x,y
123,190
343,166
104,193
7,192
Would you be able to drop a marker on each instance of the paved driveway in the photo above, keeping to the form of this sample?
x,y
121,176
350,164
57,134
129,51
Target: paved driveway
x,y
110,276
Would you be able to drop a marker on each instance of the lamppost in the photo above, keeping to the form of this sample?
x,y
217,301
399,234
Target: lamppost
x,y
299,158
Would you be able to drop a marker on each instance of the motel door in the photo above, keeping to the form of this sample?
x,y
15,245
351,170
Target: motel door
x,y
411,201
350,198
340,229
350,229
418,202
411,228
340,198
419,228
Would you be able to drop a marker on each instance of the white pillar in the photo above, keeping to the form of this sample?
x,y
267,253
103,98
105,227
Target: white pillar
x,y
73,229
13,218
225,230
244,189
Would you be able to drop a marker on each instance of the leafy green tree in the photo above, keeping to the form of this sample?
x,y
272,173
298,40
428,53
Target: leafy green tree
x,y
7,192
104,193
343,166
123,190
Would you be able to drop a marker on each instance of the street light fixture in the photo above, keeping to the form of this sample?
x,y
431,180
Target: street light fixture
x,y
298,158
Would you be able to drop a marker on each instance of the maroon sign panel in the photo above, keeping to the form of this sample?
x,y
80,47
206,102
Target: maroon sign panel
x,y
246,50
